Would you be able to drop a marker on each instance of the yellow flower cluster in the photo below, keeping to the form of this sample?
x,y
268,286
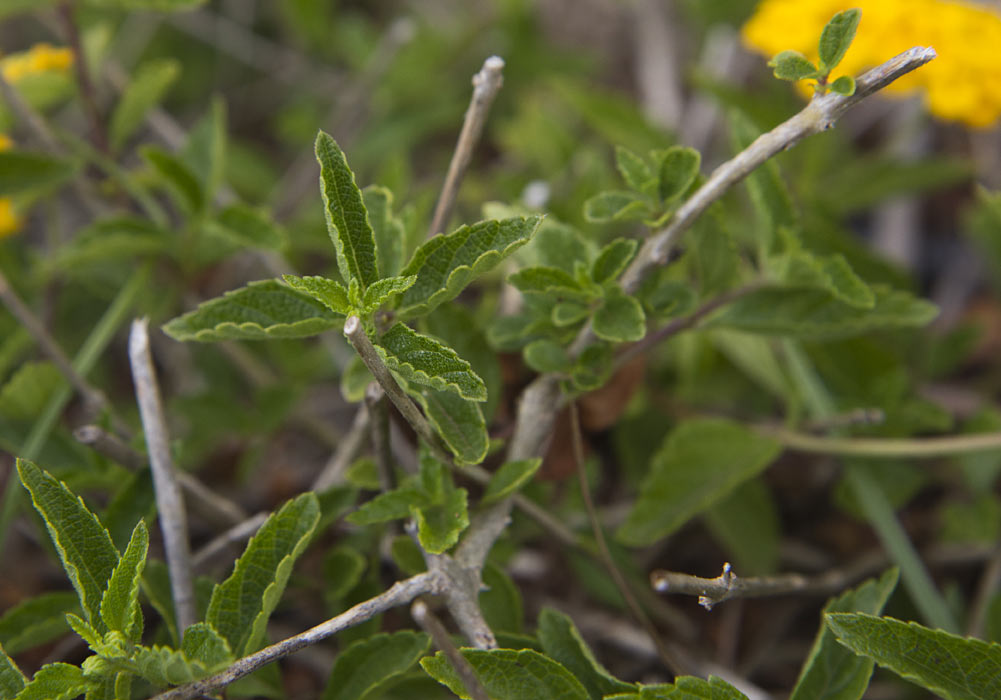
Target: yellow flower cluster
x,y
962,84
10,222
38,59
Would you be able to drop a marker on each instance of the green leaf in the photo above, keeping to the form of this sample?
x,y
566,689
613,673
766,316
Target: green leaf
x,y
380,291
746,524
714,258
12,681
613,259
24,170
159,5
458,421
177,177
500,601
343,567
792,65
84,546
331,294
390,234
547,356
679,166
507,674
509,478
261,310
203,645
148,85
439,525
391,505
120,602
204,152
617,205
56,681
633,169
954,667
355,379
563,643
837,37
347,219
29,390
548,281
115,239
692,688
247,227
36,621
699,463
620,318
831,672
457,327
422,360
370,663
445,264
240,605
817,315
845,85
829,272
567,313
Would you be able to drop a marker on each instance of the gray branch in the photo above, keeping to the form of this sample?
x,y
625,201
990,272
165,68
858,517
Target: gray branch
x,y
169,502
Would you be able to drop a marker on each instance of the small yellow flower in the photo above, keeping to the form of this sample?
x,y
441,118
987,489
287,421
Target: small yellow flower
x,y
38,59
10,222
5,143
963,83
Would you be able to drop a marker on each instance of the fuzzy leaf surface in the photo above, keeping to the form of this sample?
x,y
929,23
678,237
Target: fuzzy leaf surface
x,y
203,652
390,235
445,264
36,621
699,463
83,544
120,602
261,310
562,642
439,525
616,205
347,219
634,169
679,167
792,65
12,681
509,478
458,421
620,318
56,681
954,667
240,605
381,291
391,505
613,259
149,83
507,674
837,37
547,281
816,314
832,672
369,663
422,360
547,356
331,294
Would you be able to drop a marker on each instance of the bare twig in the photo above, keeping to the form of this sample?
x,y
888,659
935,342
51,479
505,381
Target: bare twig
x,y
819,115
486,84
408,409
400,593
169,503
210,504
95,399
577,442
430,623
